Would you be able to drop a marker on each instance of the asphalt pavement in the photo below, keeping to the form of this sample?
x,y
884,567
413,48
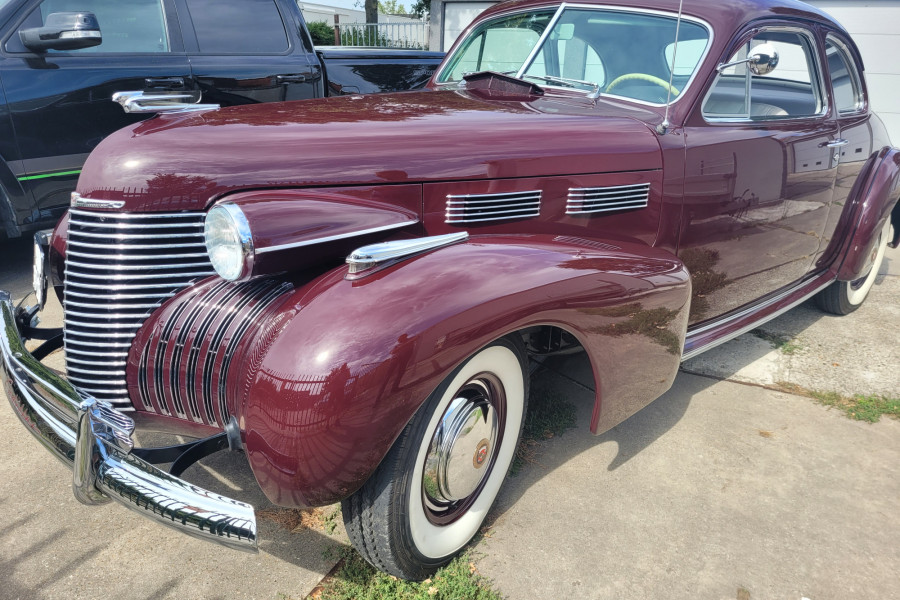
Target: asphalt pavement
x,y
722,488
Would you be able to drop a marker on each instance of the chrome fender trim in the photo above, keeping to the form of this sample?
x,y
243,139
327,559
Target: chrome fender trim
x,y
94,440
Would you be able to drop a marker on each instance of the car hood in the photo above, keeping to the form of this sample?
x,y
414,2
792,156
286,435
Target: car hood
x,y
185,161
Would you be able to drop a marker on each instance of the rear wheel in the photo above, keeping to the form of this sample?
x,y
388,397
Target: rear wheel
x,y
432,491
844,297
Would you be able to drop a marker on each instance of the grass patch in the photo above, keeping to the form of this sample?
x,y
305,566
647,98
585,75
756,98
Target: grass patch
x,y
861,407
782,343
355,579
549,415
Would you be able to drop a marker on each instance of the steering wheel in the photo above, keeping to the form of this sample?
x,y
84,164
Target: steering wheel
x,y
642,77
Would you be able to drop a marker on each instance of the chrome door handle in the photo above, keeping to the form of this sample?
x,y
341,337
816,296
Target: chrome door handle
x,y
837,143
298,78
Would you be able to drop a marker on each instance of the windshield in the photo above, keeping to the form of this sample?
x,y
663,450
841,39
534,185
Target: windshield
x,y
615,52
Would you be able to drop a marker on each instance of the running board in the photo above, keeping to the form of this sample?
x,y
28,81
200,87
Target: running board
x,y
709,335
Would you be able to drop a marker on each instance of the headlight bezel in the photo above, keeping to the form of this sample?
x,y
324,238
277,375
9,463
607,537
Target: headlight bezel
x,y
240,266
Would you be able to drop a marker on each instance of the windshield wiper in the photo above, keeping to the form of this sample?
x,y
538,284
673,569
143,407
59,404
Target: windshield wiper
x,y
567,82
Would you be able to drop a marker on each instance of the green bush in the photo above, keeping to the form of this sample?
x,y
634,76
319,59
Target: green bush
x,y
322,33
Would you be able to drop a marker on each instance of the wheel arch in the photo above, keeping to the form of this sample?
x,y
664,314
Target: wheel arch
x,y
875,193
355,360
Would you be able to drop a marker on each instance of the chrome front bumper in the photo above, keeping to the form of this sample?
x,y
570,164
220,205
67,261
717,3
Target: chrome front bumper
x,y
94,440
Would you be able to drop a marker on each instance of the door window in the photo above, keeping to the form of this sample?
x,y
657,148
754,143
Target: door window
x,y
791,90
245,27
845,81
128,26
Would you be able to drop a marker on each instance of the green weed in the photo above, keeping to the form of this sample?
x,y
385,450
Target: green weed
x,y
355,579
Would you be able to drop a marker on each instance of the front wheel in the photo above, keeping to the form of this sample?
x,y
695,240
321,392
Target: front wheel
x,y
432,491
844,297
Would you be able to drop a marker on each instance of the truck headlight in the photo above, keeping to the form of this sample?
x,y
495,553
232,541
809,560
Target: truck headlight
x,y
229,242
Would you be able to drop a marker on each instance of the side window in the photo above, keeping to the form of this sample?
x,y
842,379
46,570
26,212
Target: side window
x,y
500,50
245,27
127,25
845,82
791,90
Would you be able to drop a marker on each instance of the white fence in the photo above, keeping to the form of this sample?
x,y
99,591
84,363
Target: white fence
x,y
385,35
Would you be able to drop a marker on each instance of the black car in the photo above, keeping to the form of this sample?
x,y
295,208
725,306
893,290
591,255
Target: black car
x,y
61,61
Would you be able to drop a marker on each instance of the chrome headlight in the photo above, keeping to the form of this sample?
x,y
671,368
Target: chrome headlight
x,y
229,242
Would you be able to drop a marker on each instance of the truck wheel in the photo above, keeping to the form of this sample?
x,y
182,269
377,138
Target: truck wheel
x,y
432,491
843,297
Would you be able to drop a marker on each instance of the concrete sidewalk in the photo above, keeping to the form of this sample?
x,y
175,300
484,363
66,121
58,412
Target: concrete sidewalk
x,y
714,488
722,488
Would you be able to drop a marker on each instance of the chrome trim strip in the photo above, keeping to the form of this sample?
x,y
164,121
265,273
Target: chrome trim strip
x,y
93,439
135,267
137,236
133,225
129,246
331,238
119,215
367,257
469,197
129,277
132,257
737,316
77,200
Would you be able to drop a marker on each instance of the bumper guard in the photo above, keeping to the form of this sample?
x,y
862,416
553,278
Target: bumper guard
x,y
94,440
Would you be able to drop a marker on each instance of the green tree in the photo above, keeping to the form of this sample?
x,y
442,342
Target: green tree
x,y
421,8
322,33
391,7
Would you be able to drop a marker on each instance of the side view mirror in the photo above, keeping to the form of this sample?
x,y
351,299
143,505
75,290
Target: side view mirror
x,y
63,31
762,62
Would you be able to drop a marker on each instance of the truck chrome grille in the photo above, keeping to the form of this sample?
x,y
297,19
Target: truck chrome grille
x,y
119,268
607,199
474,208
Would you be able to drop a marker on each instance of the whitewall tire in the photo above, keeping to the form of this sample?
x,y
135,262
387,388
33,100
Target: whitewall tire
x,y
431,493
844,297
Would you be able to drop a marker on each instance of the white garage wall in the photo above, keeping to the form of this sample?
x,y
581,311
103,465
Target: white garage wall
x,y
875,27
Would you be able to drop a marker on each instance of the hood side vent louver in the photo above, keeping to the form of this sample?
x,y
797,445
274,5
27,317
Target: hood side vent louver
x,y
607,199
474,208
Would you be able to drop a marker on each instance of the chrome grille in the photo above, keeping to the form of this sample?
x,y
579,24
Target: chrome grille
x,y
473,208
607,199
119,268
185,366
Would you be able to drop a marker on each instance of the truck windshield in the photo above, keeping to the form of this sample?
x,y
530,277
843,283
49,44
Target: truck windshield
x,y
618,52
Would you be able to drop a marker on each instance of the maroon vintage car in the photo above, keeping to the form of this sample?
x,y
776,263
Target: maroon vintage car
x,y
349,290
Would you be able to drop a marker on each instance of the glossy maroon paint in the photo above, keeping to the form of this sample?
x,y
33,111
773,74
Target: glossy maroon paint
x,y
353,360
302,219
879,194
360,140
331,375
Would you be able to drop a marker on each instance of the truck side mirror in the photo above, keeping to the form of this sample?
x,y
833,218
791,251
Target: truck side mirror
x,y
63,31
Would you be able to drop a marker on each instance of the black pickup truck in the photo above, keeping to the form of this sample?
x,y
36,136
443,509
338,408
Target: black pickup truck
x,y
61,62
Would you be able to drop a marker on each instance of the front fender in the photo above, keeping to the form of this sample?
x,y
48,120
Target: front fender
x,y
877,196
352,361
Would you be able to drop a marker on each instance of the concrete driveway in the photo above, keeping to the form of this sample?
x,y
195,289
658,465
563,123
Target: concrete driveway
x,y
719,489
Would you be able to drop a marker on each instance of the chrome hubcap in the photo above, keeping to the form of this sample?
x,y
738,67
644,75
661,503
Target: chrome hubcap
x,y
462,448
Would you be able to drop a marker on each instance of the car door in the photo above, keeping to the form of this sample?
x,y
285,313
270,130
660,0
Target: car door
x,y
760,174
60,101
246,51
856,142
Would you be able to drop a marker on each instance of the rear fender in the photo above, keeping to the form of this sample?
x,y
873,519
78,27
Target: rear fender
x,y
877,196
352,361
